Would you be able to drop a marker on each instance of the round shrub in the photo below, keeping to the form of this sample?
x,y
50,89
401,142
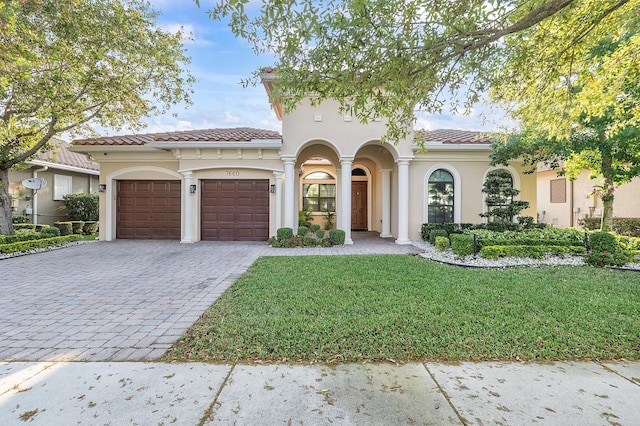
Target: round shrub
x,y
442,243
336,236
302,230
314,227
603,241
309,242
284,234
319,233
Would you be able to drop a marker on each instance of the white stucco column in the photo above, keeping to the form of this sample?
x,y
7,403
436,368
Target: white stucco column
x,y
278,196
290,210
338,217
345,199
187,236
403,202
386,203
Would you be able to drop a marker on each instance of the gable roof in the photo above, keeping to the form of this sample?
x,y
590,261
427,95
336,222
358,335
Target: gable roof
x,y
238,134
61,157
453,137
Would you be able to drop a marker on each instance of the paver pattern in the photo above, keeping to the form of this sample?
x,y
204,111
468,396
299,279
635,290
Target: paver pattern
x,y
127,300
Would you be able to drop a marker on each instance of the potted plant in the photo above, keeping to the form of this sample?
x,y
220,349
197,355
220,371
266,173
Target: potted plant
x,y
328,218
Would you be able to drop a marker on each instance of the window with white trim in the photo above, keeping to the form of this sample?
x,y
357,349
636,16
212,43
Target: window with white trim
x,y
319,192
62,185
440,193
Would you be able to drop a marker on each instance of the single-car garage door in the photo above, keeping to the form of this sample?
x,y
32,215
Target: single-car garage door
x,y
148,209
235,210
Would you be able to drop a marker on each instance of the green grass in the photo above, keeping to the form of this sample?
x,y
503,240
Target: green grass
x,y
356,308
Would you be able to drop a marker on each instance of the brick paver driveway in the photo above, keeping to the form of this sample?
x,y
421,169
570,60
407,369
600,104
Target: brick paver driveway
x,y
123,300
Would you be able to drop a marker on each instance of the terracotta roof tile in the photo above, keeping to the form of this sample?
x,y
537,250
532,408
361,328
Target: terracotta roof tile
x,y
454,137
238,134
60,154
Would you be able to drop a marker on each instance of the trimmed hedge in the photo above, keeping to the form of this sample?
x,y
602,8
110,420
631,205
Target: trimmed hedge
x,y
77,226
461,244
535,237
434,234
19,218
29,226
66,228
90,227
35,244
534,252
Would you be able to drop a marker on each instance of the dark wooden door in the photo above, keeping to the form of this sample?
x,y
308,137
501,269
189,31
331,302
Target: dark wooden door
x,y
359,205
235,210
148,209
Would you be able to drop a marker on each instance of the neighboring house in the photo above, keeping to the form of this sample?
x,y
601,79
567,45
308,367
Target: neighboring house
x,y
244,184
65,172
562,202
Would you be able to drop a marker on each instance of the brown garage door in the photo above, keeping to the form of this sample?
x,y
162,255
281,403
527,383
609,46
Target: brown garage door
x,y
235,210
148,209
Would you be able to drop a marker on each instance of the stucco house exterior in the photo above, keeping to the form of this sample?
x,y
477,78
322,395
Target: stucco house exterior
x,y
562,203
244,184
66,172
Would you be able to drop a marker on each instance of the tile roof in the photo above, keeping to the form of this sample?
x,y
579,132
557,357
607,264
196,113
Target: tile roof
x,y
454,137
238,134
60,154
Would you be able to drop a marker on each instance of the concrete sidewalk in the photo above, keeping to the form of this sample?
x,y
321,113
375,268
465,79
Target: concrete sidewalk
x,y
127,393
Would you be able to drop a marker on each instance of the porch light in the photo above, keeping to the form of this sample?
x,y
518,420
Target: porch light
x,y
192,188
102,187
272,189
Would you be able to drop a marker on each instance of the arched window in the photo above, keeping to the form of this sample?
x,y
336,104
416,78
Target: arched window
x,y
319,192
440,193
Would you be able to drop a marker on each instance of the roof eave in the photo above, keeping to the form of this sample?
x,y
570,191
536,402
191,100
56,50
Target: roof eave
x,y
254,143
439,146
64,167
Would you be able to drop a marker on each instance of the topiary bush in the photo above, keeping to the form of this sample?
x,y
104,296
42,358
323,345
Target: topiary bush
x,y
461,244
284,234
302,230
77,226
90,227
314,227
603,241
66,228
442,243
336,236
605,250
320,233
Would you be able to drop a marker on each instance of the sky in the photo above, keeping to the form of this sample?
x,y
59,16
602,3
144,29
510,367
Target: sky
x,y
219,61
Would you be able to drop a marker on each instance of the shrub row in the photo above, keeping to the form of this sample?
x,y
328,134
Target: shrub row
x,y
304,238
534,252
77,227
622,226
459,228
35,244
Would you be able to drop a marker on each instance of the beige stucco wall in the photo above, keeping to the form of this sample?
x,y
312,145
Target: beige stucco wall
x,y
579,203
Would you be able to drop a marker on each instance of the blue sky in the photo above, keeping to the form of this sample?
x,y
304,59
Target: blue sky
x,y
220,62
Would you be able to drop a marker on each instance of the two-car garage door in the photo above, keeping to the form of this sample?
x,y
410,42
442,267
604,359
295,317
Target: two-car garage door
x,y
230,210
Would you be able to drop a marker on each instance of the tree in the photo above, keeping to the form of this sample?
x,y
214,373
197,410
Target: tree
x,y
500,198
68,65
385,58
583,114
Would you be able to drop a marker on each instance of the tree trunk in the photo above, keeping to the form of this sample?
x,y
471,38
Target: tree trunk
x,y
6,226
607,214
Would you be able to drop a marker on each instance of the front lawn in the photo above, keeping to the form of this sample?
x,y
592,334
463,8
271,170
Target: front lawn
x,y
399,307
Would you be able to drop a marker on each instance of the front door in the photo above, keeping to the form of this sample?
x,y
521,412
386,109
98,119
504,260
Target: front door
x,y
359,205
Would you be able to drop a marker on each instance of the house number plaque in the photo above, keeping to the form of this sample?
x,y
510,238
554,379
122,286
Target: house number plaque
x,y
233,172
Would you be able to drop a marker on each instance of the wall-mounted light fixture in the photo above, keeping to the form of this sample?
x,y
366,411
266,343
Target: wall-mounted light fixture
x,y
102,187
192,188
272,189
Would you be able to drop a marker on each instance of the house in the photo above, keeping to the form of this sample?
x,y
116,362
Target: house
x,y
563,203
244,184
65,172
